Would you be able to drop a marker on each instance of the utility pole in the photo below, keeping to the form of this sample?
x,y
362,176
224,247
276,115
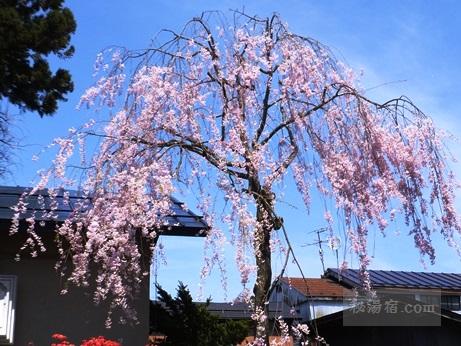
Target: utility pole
x,y
319,242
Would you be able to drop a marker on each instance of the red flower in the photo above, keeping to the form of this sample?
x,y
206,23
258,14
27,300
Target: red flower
x,y
59,337
61,340
100,341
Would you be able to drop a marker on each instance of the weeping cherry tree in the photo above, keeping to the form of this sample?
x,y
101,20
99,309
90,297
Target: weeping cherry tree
x,y
234,113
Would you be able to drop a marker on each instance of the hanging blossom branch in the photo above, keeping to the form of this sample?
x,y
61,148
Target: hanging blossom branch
x,y
228,112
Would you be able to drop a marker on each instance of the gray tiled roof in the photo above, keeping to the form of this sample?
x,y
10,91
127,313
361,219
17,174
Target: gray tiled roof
x,y
180,222
398,279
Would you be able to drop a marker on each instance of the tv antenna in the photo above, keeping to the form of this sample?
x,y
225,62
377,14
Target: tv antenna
x,y
333,243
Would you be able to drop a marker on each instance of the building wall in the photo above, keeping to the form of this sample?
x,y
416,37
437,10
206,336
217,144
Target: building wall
x,y
323,307
335,333
308,308
41,310
284,294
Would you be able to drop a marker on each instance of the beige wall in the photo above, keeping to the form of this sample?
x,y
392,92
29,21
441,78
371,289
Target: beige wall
x,y
42,311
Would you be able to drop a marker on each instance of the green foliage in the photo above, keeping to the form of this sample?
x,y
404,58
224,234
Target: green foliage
x,y
186,323
30,30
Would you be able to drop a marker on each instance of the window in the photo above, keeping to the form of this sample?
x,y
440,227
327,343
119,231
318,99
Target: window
x,y
431,299
7,308
451,302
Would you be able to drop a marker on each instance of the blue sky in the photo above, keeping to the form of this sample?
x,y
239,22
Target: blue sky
x,y
403,47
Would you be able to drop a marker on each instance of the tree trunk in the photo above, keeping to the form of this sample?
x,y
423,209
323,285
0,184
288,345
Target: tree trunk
x,y
263,274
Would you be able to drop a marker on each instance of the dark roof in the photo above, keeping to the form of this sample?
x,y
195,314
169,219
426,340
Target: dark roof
x,y
244,311
313,287
397,279
180,222
405,321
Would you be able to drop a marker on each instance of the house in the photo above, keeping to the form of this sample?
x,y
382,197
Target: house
x,y
312,297
440,288
334,291
31,306
242,311
411,308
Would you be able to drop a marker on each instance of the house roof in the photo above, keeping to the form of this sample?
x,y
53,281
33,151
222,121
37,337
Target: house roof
x,y
313,287
244,311
181,221
397,279
400,304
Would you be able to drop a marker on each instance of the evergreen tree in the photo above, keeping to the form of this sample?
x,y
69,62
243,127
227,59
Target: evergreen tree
x,y
30,30
187,323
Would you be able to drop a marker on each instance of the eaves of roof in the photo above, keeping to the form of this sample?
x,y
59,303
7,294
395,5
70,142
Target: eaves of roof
x,y
181,221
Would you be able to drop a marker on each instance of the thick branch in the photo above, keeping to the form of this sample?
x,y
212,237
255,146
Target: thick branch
x,y
291,120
